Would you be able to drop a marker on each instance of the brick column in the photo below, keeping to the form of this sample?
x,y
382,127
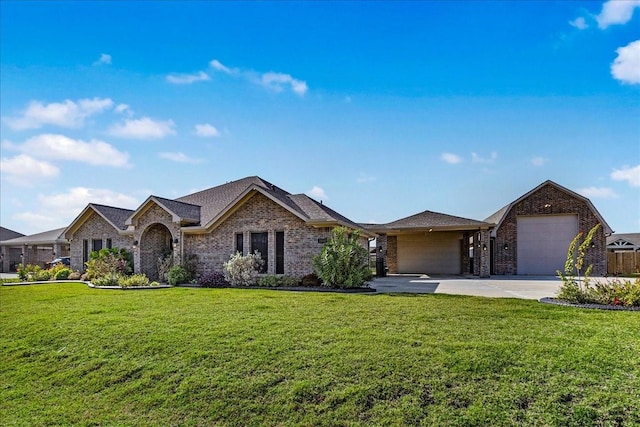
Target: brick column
x,y
484,253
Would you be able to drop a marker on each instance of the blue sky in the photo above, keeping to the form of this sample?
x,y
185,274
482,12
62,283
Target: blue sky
x,y
380,109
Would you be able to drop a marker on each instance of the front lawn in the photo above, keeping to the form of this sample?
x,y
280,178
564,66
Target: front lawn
x,y
76,356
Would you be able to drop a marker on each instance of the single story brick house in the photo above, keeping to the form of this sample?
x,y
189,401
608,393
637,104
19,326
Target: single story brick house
x,y
37,249
246,215
528,236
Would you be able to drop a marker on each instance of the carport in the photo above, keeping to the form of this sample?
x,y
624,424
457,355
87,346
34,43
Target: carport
x,y
434,243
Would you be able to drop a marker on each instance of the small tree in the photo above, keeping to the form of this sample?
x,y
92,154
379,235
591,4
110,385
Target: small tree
x,y
242,270
343,262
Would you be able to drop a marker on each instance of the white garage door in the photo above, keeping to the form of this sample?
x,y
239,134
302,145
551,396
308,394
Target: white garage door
x,y
543,242
430,253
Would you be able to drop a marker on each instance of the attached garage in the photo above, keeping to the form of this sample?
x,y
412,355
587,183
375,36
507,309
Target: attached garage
x,y
543,242
430,253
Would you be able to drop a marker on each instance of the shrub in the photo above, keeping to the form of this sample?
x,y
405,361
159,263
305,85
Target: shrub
x,y
109,262
31,273
62,274
133,280
343,262
214,279
177,275
109,279
242,270
271,281
75,275
311,279
190,264
154,283
42,275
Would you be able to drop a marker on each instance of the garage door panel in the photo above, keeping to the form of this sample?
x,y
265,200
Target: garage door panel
x,y
543,242
433,253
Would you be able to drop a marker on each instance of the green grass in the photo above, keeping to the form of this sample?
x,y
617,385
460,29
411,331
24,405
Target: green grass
x,y
76,356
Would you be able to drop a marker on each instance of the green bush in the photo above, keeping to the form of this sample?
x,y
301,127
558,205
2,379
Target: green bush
x,y
109,279
42,275
177,275
31,272
269,281
133,280
343,262
242,270
62,274
107,262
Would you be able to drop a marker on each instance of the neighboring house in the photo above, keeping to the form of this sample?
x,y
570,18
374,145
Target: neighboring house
x,y
38,249
623,242
246,215
532,234
9,257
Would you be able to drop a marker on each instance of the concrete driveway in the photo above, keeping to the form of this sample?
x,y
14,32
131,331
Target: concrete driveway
x,y
525,287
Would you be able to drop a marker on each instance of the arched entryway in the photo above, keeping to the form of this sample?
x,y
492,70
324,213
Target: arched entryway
x,y
155,244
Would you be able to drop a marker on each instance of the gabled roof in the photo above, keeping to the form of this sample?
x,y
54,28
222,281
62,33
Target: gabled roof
x,y
624,241
499,216
429,220
116,217
218,202
6,234
45,238
181,212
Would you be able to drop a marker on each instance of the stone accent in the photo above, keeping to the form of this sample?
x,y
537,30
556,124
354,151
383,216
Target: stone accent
x,y
257,215
155,232
95,227
548,200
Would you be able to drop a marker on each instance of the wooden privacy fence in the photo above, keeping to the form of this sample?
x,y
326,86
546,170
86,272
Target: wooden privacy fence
x,y
623,262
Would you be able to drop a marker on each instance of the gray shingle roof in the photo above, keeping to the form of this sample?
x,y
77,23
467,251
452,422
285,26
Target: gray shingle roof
x,y
184,210
633,238
46,237
7,234
117,216
429,219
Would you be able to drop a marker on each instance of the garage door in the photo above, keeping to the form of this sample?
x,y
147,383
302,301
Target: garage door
x,y
429,253
543,242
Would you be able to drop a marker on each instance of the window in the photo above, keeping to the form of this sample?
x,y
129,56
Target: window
x,y
96,245
85,251
240,243
279,252
109,244
260,243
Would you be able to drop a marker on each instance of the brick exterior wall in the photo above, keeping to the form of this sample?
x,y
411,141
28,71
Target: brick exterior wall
x,y
505,261
259,214
155,232
95,227
389,251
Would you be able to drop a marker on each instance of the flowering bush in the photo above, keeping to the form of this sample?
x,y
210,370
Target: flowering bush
x,y
214,279
242,270
109,262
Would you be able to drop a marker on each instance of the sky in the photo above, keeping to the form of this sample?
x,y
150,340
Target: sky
x,y
379,109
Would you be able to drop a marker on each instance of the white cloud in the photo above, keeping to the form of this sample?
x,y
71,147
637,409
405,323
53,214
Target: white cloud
x,y
598,192
217,65
629,174
67,114
475,158
26,171
451,158
144,128
363,178
60,147
178,157
105,59
122,109
539,161
278,81
616,12
184,79
317,193
579,23
59,209
206,130
626,66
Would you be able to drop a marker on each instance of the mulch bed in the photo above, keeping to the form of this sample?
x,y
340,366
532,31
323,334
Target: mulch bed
x,y
590,306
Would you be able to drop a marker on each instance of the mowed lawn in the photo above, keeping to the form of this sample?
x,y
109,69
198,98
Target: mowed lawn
x,y
75,356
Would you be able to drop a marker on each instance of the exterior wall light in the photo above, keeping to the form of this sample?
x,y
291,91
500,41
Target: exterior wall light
x,y
135,244
484,247
506,247
176,241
